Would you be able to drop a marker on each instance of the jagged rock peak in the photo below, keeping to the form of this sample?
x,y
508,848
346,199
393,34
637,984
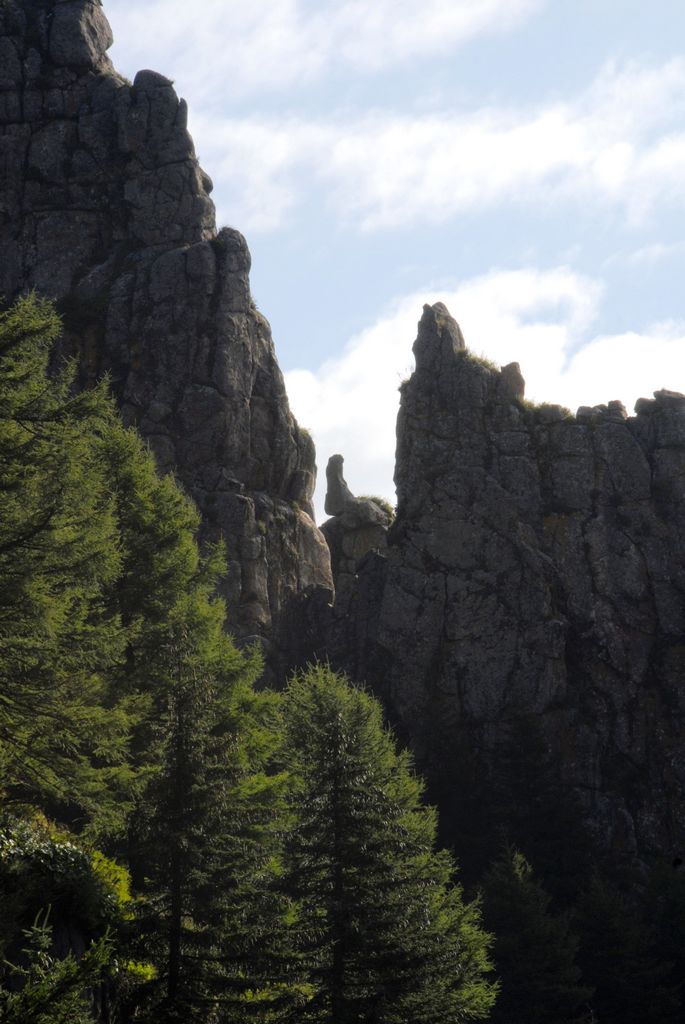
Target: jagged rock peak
x,y
438,338
103,207
440,347
74,33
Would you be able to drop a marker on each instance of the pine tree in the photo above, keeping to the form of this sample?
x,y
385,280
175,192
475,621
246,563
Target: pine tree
x,y
620,957
385,935
208,832
534,951
160,566
52,990
160,558
62,731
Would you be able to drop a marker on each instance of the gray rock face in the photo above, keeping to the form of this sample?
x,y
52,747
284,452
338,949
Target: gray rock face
x,y
338,494
79,34
357,527
104,208
536,566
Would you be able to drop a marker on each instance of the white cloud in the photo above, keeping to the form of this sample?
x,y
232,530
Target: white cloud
x,y
532,317
625,366
230,48
247,160
373,35
655,252
619,145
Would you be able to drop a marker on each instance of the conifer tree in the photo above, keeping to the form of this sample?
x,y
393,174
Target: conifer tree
x,y
62,731
160,566
385,935
50,990
160,558
209,831
534,950
620,957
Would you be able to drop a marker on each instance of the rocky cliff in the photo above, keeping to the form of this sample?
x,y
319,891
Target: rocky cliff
x,y
103,207
536,567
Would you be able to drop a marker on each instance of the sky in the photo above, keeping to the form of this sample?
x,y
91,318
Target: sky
x,y
522,161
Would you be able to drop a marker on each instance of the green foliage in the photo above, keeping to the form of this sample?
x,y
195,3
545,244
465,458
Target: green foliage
x,y
467,356
53,990
208,831
157,524
534,952
101,577
527,405
74,906
114,880
118,685
162,575
62,733
620,958
567,413
384,932
41,867
96,551
382,503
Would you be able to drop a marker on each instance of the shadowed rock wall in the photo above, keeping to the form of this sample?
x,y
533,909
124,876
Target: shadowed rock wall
x,y
103,206
536,566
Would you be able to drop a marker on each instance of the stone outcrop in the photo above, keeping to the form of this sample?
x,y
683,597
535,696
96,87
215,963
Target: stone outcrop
x,y
104,208
536,566
338,494
358,526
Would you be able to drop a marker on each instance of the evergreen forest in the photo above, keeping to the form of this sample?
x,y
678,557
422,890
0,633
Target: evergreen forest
x,y
181,844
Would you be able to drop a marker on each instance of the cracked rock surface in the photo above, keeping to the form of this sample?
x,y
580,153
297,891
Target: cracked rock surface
x,y
103,207
536,566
